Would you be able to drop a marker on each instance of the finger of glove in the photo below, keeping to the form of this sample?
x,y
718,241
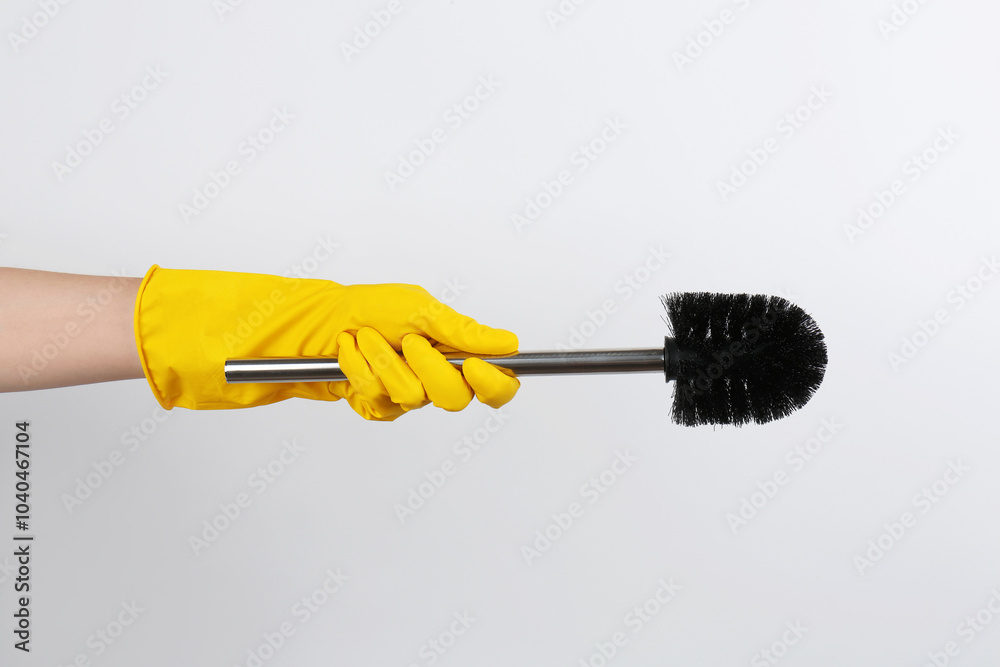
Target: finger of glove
x,y
461,332
493,387
359,373
397,377
444,384
382,409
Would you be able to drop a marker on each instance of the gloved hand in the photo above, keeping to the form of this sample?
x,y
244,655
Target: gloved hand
x,y
187,323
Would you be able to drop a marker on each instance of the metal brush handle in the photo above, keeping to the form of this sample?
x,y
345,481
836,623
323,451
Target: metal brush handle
x,y
326,369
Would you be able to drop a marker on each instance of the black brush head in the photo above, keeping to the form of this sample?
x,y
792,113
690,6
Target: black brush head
x,y
740,358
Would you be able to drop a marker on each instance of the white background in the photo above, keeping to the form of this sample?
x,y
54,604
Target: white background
x,y
799,559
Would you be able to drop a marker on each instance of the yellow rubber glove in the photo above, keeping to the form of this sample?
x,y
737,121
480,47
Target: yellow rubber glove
x,y
187,323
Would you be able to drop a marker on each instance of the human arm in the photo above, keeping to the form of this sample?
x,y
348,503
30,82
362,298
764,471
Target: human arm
x,y
177,327
61,329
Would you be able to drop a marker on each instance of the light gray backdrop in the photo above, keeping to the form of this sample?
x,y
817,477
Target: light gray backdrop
x,y
550,167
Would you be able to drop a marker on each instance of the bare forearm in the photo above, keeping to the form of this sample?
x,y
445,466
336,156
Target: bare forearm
x,y
60,329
